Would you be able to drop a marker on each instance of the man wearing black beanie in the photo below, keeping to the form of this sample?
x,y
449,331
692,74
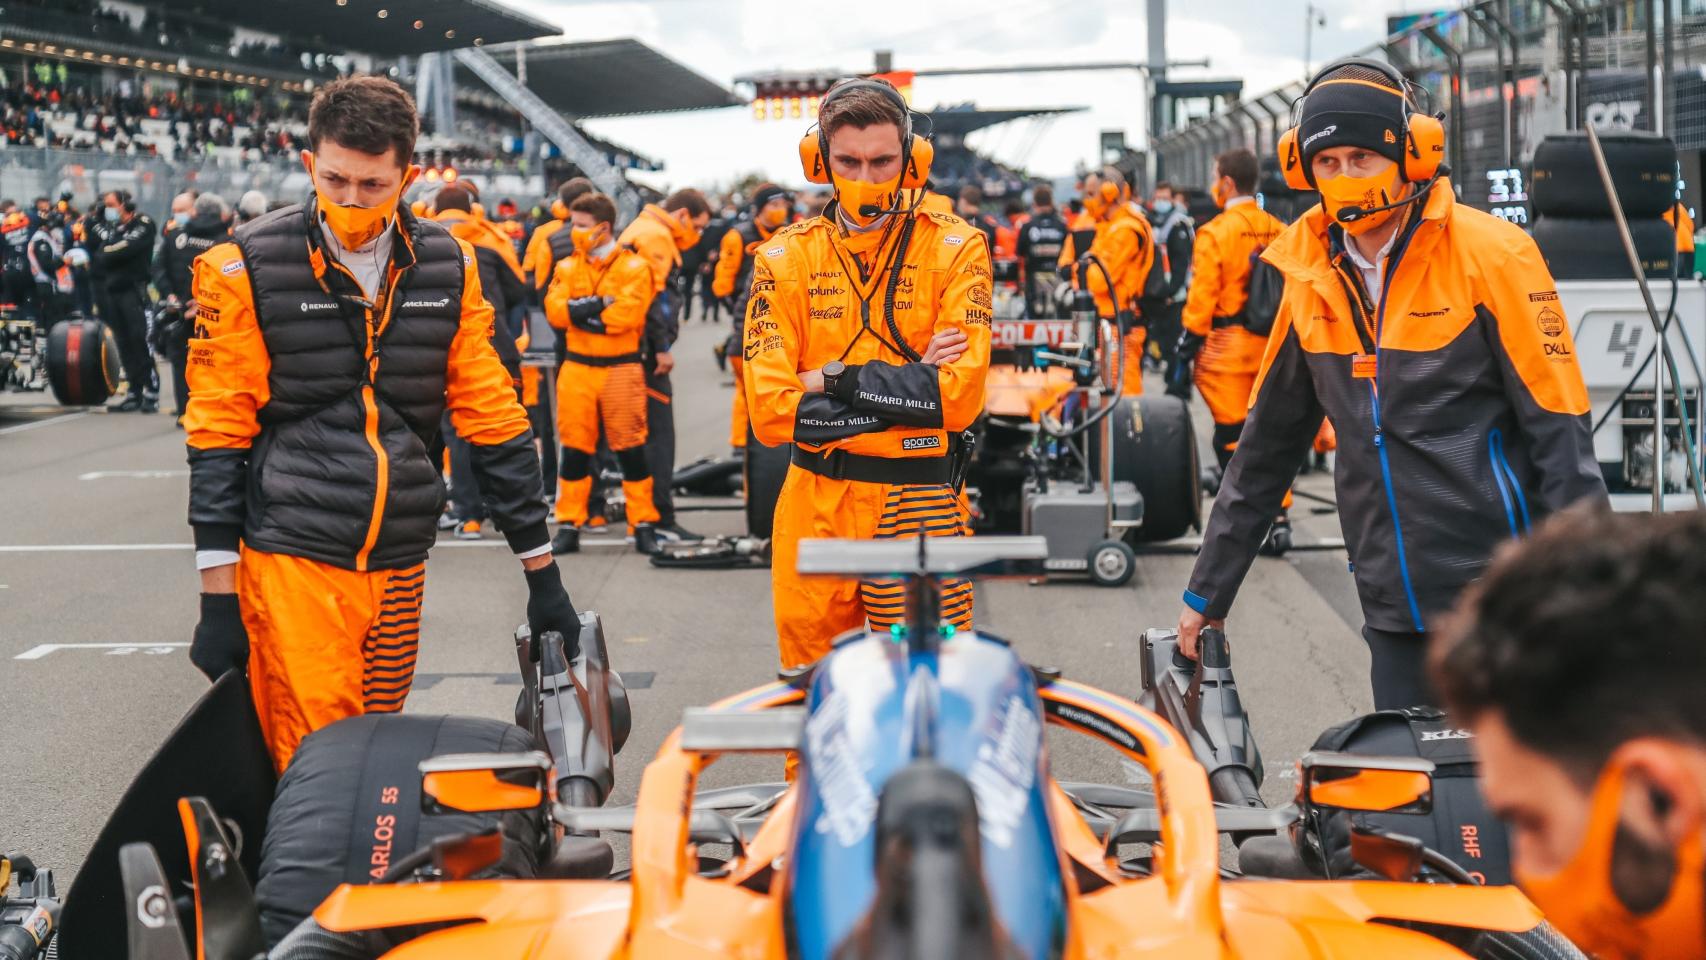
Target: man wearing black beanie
x,y
1432,337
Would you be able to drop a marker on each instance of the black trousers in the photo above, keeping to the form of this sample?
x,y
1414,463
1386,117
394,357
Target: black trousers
x,y
179,354
660,444
1398,668
121,310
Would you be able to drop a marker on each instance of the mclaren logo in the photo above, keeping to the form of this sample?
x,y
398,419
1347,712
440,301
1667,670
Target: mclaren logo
x,y
1326,131
421,304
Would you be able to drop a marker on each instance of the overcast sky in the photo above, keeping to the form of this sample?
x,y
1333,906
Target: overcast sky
x,y
1259,41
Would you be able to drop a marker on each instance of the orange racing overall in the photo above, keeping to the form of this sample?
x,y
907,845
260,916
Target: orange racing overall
x,y
600,304
871,460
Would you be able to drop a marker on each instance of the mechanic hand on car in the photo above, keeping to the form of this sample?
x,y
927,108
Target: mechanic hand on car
x,y
549,609
1191,625
220,642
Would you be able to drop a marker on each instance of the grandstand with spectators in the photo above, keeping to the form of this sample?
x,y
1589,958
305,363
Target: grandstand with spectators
x,y
154,95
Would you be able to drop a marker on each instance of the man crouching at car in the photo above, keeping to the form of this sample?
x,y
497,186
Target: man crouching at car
x,y
867,345
330,338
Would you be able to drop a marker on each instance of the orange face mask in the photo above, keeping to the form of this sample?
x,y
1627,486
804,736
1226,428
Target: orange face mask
x,y
1218,194
855,196
357,226
585,239
1094,205
1582,903
559,209
774,217
1345,191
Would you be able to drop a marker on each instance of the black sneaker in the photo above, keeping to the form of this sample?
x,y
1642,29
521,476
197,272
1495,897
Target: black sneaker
x,y
567,540
130,404
676,533
149,405
645,538
1279,538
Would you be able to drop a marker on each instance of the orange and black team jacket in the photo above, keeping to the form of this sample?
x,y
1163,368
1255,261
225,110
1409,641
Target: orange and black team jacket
x,y
734,262
549,244
312,410
1461,414
806,310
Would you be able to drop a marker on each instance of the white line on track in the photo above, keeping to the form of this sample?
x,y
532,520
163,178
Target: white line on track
x,y
132,474
119,649
62,418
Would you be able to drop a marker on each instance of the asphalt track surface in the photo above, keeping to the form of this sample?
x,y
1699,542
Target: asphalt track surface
x,y
98,598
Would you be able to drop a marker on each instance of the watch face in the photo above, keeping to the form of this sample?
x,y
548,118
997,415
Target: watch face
x,y
834,368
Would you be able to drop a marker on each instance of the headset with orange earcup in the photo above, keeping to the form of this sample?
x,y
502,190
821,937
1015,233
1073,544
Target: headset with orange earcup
x,y
918,150
1424,135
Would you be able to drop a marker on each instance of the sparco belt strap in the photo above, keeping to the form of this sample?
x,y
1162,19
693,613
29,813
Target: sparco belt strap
x,y
587,360
388,804
841,465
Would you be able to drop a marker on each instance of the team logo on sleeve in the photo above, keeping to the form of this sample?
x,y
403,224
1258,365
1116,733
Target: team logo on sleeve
x,y
979,295
1551,322
760,307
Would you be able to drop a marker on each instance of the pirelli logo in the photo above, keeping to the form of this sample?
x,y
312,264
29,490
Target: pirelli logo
x,y
920,443
1549,296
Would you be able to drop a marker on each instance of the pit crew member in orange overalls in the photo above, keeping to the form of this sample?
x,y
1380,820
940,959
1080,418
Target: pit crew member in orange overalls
x,y
330,336
867,346
1216,350
599,299
771,210
1125,245
661,233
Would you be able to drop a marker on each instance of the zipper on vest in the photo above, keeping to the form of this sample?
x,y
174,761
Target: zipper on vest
x,y
370,406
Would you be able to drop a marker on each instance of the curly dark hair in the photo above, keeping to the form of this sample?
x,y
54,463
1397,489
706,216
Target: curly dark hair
x,y
367,113
1589,633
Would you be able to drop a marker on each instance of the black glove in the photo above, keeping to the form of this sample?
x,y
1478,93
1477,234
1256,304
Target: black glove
x,y
584,311
550,610
1179,370
220,642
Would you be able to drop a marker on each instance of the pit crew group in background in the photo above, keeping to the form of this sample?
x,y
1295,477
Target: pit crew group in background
x,y
1411,332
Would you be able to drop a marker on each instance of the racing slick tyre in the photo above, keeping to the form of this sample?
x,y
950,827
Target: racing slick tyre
x,y
1566,181
349,806
1579,248
1112,562
765,469
82,362
1155,450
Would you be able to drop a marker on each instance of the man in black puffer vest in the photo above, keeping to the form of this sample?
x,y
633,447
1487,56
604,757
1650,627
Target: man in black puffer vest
x,y
331,336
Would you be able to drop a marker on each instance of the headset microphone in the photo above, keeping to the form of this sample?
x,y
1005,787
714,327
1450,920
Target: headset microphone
x,y
1353,214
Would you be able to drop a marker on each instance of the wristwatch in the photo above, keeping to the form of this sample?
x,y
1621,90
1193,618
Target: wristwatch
x,y
832,372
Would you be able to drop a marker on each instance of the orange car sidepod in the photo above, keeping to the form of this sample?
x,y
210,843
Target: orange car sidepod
x,y
1463,424
819,296
602,381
